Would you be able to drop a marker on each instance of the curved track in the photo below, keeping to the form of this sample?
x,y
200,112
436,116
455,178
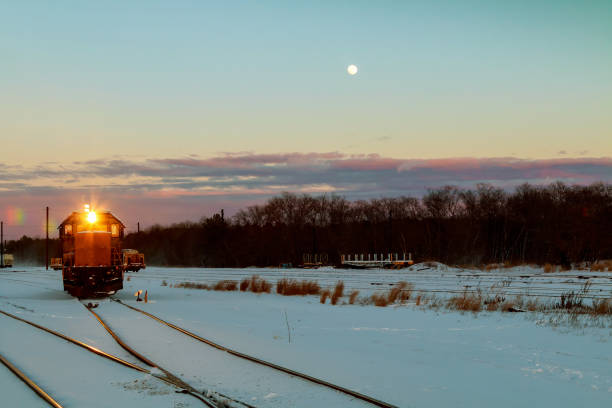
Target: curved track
x,y
169,380
256,360
176,380
41,393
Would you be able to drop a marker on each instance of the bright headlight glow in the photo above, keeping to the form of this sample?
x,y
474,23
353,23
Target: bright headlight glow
x,y
91,217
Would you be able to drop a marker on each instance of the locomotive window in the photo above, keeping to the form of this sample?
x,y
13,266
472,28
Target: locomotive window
x,y
68,229
115,230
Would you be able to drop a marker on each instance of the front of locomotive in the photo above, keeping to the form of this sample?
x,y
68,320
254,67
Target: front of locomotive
x,y
91,253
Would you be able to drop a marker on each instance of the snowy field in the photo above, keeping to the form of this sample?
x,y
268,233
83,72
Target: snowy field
x,y
404,355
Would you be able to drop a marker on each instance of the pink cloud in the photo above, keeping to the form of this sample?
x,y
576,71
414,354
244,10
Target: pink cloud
x,y
176,189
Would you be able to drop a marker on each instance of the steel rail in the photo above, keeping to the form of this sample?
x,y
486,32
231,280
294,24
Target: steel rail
x,y
41,393
307,377
79,343
103,354
177,381
513,290
121,343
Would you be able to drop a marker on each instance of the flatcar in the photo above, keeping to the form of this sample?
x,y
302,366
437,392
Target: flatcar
x,y
92,263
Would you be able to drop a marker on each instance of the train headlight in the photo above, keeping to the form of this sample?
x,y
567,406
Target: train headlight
x,y
91,217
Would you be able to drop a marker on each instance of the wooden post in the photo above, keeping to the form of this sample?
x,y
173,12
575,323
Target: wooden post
x,y
47,242
138,227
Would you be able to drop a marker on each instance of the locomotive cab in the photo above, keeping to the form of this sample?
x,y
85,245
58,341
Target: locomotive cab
x,y
91,253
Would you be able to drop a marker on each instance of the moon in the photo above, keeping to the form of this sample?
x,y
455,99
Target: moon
x,y
352,69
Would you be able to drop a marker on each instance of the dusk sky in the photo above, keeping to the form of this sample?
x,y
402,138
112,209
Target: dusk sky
x,y
169,111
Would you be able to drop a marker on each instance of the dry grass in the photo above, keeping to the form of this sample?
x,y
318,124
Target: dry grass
x,y
291,287
164,283
257,285
353,297
402,292
601,266
467,301
532,305
324,295
602,307
192,285
507,306
338,292
492,306
548,268
244,284
226,286
380,300
571,302
405,294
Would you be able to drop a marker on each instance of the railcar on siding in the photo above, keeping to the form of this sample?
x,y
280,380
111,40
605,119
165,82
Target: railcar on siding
x,y
133,260
92,262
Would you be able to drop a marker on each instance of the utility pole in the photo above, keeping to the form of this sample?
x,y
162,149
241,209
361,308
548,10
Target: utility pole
x,y
1,244
47,242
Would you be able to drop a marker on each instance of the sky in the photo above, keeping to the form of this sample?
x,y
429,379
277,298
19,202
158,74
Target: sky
x,y
170,110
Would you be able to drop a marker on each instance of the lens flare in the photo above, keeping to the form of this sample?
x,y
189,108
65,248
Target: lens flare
x,y
52,226
91,217
15,216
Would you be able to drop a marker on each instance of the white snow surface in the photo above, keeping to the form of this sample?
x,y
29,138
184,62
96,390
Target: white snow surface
x,y
405,355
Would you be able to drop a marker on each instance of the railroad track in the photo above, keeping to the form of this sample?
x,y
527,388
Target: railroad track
x,y
531,285
315,380
449,283
175,379
23,377
168,379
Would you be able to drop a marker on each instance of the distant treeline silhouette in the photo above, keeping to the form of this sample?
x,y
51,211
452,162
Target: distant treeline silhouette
x,y
557,224
31,251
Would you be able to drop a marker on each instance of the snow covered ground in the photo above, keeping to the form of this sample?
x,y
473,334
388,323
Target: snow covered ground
x,y
405,355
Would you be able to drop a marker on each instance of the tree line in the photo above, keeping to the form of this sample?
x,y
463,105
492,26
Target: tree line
x,y
557,223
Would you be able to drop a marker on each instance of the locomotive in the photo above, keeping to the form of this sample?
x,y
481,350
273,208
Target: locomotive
x,y
92,262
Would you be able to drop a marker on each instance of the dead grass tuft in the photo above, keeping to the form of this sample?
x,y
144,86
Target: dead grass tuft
x,y
548,268
244,284
259,285
292,287
507,306
402,292
164,283
492,306
601,307
601,266
225,286
338,292
353,297
324,295
192,285
467,301
380,300
532,305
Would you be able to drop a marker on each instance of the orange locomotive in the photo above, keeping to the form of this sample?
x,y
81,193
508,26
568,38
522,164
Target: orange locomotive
x,y
92,262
